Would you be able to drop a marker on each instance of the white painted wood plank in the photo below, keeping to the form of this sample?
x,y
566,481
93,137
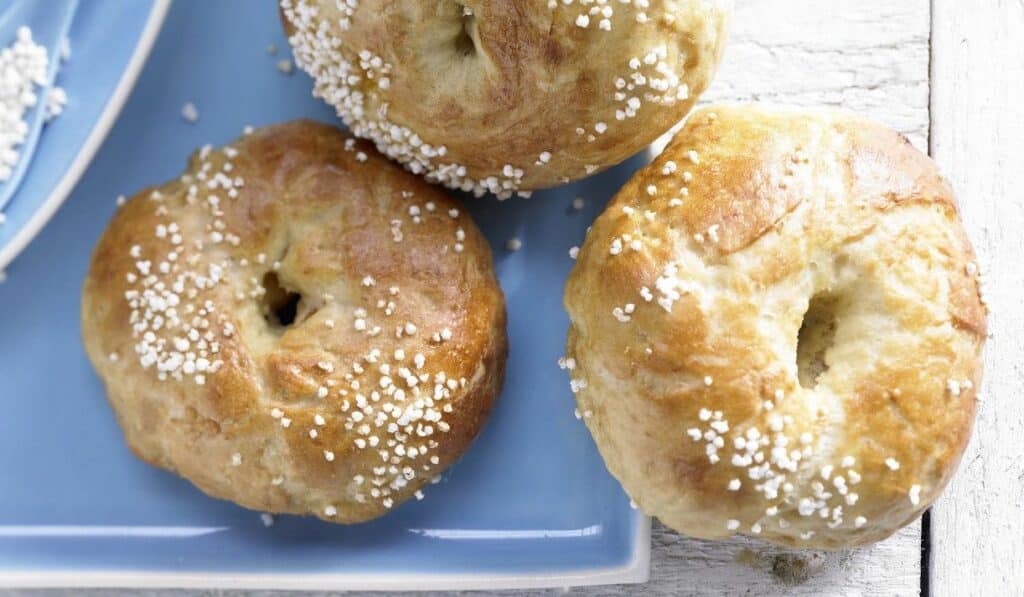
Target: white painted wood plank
x,y
867,55
978,139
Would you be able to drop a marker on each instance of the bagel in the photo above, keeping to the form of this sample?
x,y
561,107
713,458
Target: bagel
x,y
297,325
776,329
503,96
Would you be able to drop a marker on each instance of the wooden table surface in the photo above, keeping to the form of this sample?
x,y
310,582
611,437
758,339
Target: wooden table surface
x,y
950,75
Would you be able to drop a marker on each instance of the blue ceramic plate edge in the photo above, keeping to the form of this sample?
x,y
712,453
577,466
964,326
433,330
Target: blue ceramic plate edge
x,y
95,138
636,570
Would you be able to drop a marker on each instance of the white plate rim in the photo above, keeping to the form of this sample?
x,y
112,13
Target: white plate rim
x,y
637,570
93,141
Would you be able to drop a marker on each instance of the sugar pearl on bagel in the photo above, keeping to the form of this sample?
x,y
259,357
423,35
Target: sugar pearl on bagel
x,y
274,330
803,357
508,96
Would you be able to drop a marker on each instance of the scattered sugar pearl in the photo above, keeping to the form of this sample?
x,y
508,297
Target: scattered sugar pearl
x,y
578,203
267,519
892,463
190,113
56,100
330,511
285,66
859,522
708,380
328,456
513,244
914,494
732,524
574,252
236,459
735,485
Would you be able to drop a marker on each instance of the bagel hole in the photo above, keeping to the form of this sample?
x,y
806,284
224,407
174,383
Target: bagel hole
x,y
816,336
464,43
280,305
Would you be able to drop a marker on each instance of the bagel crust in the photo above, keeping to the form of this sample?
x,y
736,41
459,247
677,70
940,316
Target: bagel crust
x,y
503,96
776,330
297,325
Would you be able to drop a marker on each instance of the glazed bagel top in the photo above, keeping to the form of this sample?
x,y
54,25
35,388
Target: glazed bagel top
x,y
777,329
508,95
297,325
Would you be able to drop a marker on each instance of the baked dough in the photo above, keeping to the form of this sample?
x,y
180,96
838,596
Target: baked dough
x,y
508,95
297,325
777,329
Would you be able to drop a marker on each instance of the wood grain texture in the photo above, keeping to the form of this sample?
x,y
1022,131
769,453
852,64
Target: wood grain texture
x,y
865,55
978,139
871,56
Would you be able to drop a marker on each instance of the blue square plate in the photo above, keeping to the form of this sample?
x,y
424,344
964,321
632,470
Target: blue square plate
x,y
530,505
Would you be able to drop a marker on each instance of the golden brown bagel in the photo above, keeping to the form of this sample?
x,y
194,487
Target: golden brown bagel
x,y
710,404
508,95
297,325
